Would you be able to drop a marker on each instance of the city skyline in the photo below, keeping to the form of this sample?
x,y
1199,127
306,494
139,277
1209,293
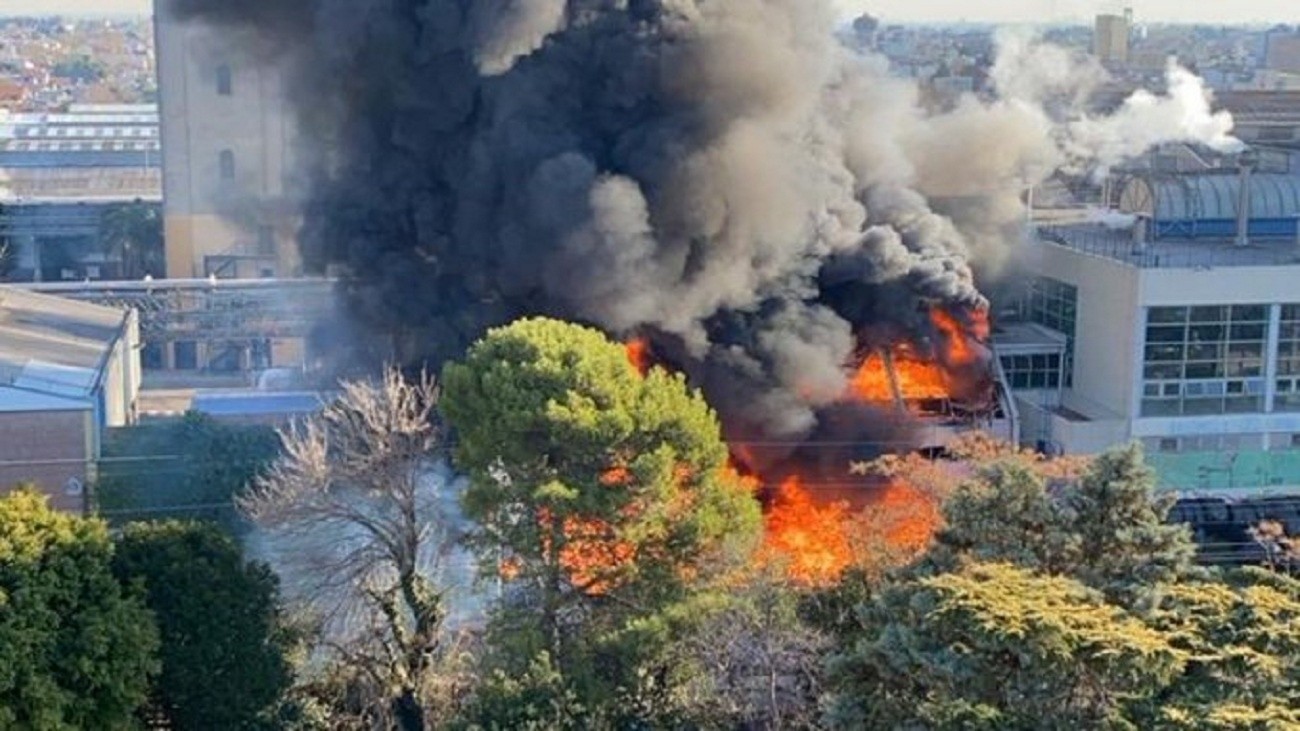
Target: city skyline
x,y
1001,11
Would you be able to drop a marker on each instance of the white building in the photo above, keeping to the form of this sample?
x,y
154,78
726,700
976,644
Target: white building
x,y
227,137
1183,333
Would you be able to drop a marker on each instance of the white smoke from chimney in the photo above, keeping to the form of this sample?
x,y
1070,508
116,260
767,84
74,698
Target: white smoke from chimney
x,y
1182,114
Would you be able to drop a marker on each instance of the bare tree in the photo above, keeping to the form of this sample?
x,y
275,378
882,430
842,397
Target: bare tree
x,y
1280,550
353,506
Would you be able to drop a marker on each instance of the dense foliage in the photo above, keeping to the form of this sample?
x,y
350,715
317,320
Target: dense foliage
x,y
602,498
76,649
224,645
190,468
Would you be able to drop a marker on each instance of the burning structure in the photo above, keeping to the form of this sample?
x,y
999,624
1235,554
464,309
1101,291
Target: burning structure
x,y
761,206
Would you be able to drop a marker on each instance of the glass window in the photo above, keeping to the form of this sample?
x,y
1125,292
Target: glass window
x,y
1054,304
1204,360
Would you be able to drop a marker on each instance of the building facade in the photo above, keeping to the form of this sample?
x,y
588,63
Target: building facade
x,y
1110,42
72,185
68,371
227,134
1180,335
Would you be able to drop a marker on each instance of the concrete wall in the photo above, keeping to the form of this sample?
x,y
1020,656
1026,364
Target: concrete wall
x,y
1220,286
207,213
47,448
1106,355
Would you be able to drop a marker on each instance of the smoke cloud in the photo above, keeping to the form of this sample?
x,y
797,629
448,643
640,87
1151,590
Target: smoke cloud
x,y
724,176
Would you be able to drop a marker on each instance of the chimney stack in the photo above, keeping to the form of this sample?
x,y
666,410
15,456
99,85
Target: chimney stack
x,y
1245,164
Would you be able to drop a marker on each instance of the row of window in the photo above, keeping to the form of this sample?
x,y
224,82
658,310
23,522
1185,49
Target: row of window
x,y
1032,371
1211,359
1054,304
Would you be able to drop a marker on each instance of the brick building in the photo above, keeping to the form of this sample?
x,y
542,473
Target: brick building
x,y
68,371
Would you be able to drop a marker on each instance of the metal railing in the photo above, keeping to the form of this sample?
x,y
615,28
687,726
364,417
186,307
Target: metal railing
x,y
1119,247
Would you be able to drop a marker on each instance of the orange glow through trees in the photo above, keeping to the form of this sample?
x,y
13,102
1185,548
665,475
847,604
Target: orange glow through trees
x,y
808,539
638,354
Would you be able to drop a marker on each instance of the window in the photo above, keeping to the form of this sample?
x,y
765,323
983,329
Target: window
x,y
1054,304
1206,360
225,80
227,159
186,355
151,356
1288,360
1033,371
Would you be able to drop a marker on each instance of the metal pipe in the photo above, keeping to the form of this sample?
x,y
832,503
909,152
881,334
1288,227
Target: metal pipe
x,y
1243,200
894,388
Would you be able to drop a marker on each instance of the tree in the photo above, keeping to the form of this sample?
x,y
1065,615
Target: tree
x,y
1241,633
1107,529
133,232
587,478
1125,543
599,497
213,463
224,643
995,646
76,650
353,498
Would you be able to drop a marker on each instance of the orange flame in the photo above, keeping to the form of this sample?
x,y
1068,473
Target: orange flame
x,y
808,539
638,354
916,378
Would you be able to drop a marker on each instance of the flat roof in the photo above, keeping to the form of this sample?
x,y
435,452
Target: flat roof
x,y
1011,338
1168,253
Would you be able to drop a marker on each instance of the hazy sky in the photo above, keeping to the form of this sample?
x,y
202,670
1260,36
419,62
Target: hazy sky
x,y
985,10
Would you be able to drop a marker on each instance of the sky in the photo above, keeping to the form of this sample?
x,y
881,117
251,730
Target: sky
x,y
1003,11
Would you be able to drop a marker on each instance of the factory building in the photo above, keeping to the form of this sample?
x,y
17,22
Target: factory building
x,y
66,179
227,133
1181,330
68,371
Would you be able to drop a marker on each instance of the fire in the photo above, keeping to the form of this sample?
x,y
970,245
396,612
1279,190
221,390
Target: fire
x,y
917,376
916,379
957,339
638,354
909,516
809,539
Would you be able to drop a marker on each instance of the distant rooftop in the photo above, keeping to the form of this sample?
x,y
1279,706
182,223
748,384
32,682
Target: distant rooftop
x,y
1169,253
79,184
111,135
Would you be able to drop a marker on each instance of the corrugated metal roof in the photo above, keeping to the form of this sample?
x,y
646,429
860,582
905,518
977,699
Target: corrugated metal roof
x,y
54,345
1215,197
22,184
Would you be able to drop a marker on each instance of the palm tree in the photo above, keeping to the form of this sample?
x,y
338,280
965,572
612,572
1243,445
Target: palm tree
x,y
133,234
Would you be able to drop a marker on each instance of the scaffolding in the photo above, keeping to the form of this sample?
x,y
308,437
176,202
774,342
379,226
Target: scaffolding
x,y
226,315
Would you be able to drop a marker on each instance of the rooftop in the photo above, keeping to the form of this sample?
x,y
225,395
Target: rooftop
x,y
52,347
79,184
1169,253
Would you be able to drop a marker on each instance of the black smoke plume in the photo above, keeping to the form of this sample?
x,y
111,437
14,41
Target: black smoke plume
x,y
721,175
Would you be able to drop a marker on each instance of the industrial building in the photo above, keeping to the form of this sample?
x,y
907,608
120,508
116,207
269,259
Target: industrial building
x,y
1181,330
68,371
62,177
231,204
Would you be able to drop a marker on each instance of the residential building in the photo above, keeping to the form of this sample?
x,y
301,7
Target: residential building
x,y
228,138
1182,332
68,371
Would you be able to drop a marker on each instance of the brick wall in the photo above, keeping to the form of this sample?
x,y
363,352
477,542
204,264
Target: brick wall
x,y
55,444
